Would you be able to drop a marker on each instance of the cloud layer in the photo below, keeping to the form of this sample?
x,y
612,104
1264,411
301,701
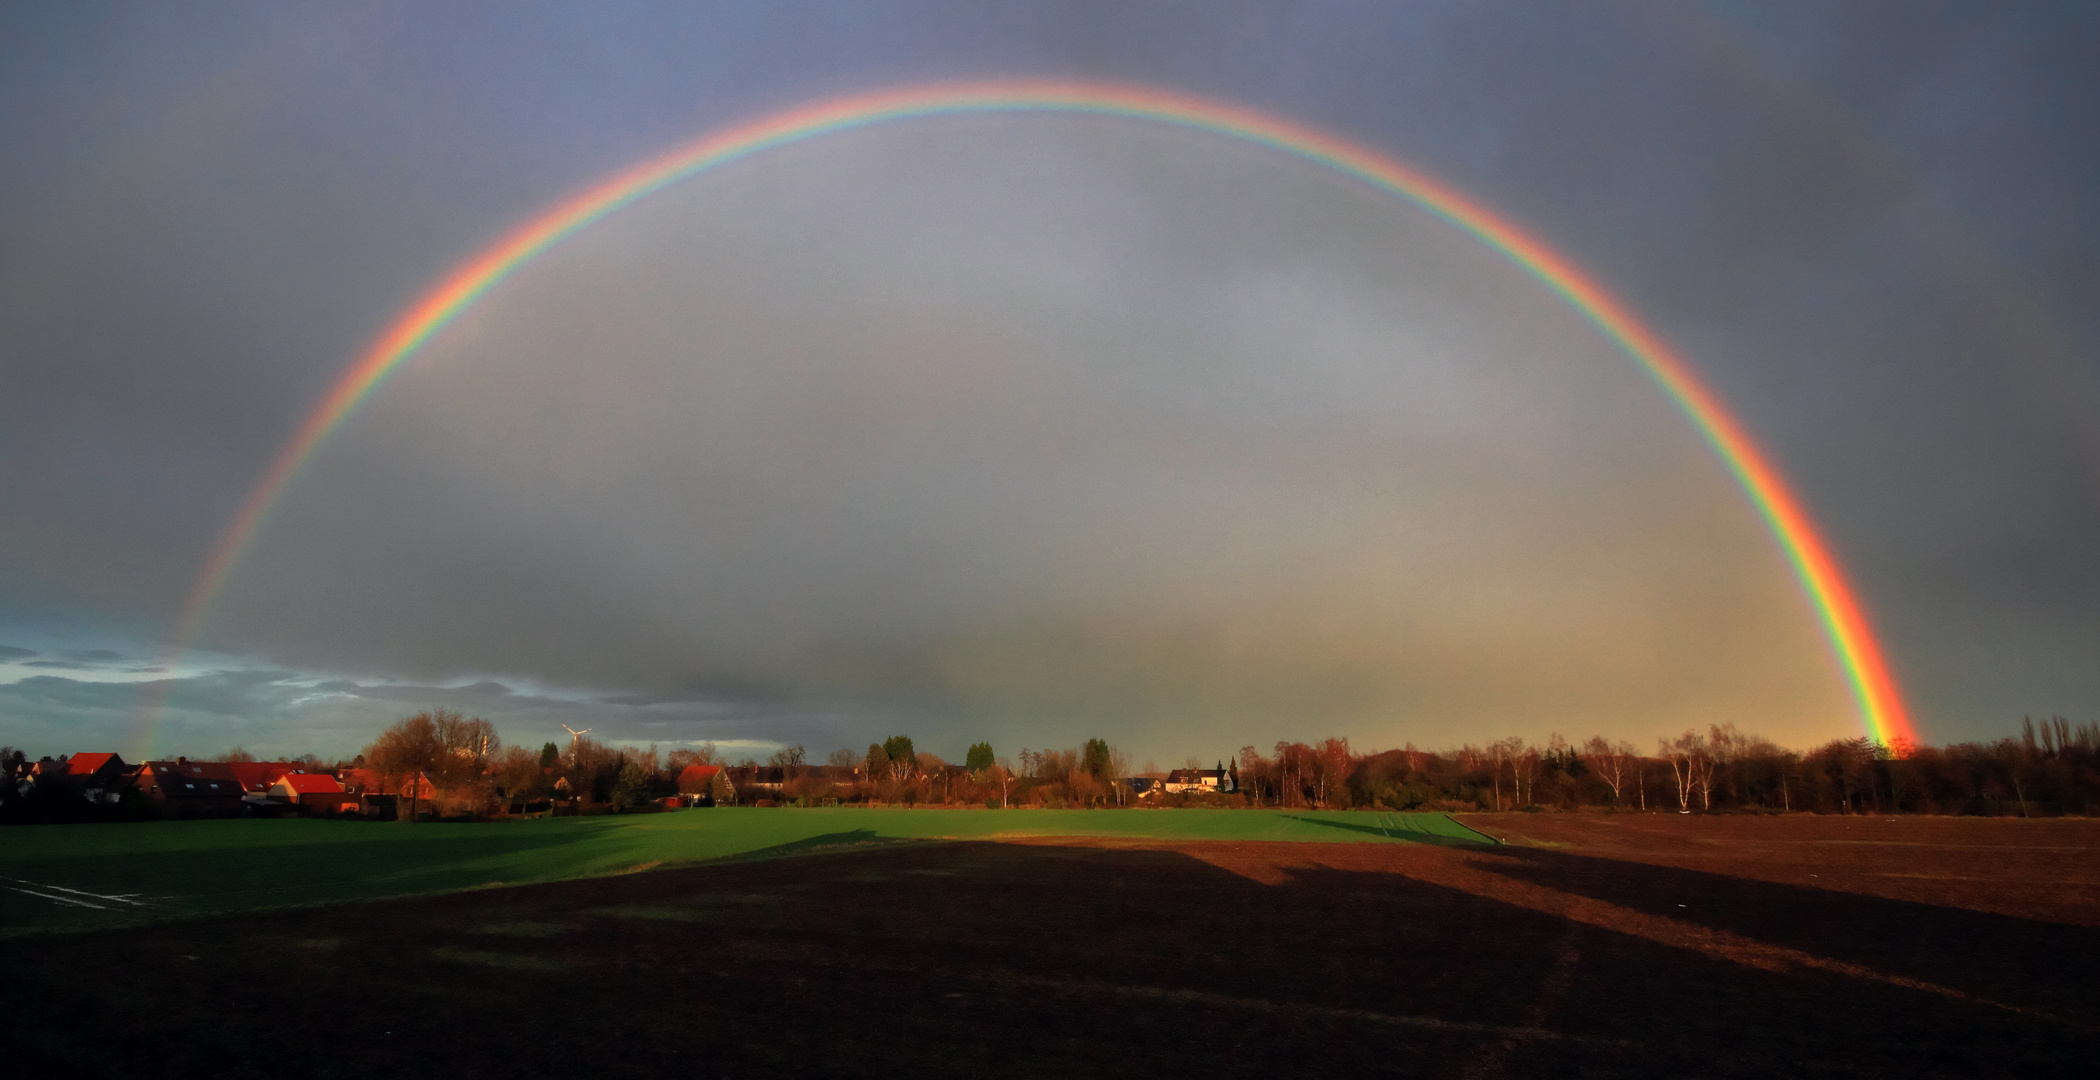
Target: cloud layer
x,y
990,428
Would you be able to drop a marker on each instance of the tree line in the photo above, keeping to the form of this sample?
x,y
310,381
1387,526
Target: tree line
x,y
2049,769
441,762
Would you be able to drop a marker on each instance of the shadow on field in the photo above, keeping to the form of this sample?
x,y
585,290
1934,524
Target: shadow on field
x,y
981,958
176,881
813,845
2043,965
1371,827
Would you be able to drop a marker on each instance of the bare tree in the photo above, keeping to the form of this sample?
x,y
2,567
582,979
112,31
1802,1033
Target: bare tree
x,y
517,771
1692,766
1499,754
1331,768
403,754
1611,764
1524,773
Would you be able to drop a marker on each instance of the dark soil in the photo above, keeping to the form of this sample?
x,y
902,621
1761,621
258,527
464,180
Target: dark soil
x,y
1067,959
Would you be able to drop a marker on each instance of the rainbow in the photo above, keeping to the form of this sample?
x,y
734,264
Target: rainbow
x,y
1843,620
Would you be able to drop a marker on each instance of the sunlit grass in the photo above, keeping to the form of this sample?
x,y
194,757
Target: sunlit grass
x,y
173,869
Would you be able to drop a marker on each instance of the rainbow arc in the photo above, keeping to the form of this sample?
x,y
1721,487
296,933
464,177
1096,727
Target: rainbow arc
x,y
1843,619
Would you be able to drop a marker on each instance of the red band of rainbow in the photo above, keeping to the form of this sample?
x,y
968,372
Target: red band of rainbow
x,y
1844,622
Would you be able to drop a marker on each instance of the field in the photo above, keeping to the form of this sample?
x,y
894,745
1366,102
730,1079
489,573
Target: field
x,y
60,878
1582,946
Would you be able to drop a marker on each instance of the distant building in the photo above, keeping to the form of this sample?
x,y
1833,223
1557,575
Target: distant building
x,y
98,778
315,791
257,776
1182,780
367,782
694,780
188,788
758,779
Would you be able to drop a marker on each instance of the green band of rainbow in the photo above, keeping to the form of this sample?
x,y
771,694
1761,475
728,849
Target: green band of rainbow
x,y
1881,709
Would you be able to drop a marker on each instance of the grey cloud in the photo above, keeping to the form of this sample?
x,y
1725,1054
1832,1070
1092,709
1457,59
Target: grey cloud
x,y
280,711
1046,429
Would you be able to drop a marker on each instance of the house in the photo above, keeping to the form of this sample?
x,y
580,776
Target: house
x,y
769,779
359,781
315,791
1183,780
695,778
191,788
379,795
368,782
98,778
257,776
696,784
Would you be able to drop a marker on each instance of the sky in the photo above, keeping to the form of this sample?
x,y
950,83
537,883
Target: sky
x,y
1037,428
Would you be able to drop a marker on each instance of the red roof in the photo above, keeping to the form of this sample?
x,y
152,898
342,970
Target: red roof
x,y
310,784
259,775
87,764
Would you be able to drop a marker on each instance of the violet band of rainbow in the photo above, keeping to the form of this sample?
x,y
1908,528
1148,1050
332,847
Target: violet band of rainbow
x,y
1843,619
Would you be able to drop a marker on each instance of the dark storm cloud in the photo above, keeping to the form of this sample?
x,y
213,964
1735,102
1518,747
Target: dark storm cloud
x,y
1870,227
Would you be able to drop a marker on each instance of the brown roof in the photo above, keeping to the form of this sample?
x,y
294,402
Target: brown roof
x,y
194,779
257,776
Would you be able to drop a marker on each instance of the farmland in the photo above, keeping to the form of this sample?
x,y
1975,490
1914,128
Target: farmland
x,y
180,868
1132,943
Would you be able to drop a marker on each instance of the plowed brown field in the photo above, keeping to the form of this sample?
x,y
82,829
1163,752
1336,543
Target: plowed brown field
x,y
1587,946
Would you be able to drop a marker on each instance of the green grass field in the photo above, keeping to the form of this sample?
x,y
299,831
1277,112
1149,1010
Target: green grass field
x,y
173,869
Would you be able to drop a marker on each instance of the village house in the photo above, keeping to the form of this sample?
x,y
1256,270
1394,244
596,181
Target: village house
x,y
697,777
97,778
257,776
1199,780
317,792
188,788
754,781
380,798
